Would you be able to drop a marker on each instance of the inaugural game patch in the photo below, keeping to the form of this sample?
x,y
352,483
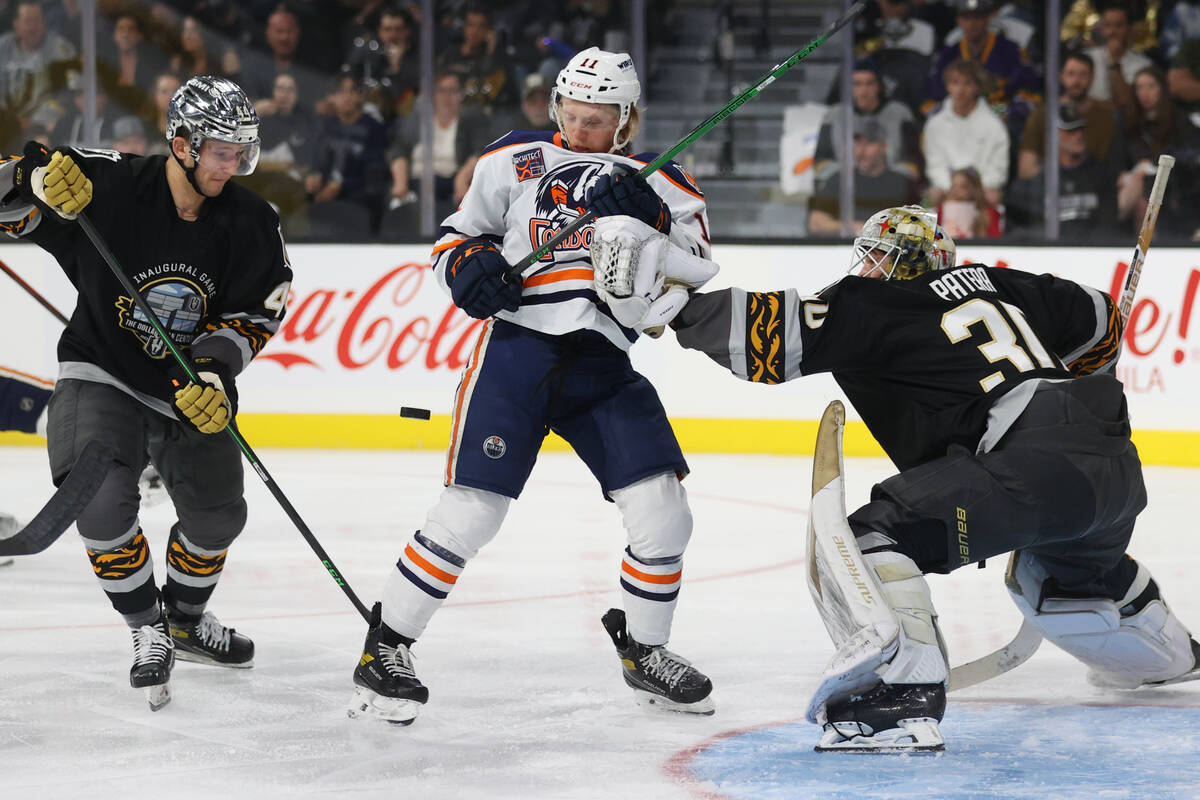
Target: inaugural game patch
x,y
529,164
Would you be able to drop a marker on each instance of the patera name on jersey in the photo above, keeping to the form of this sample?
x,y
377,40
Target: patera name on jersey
x,y
961,282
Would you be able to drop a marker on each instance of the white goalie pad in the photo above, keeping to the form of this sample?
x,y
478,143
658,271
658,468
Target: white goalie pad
x,y
876,608
1151,646
642,277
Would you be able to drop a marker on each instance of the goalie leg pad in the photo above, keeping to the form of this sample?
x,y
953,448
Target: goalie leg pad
x,y
462,522
1144,645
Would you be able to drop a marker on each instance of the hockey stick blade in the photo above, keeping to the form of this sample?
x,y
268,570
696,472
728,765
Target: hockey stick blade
x,y
68,502
1012,655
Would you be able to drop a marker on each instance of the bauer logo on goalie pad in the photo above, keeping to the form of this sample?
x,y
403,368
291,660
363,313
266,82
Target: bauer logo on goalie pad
x,y
529,164
494,447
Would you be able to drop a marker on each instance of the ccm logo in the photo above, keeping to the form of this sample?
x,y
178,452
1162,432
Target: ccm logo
x,y
581,85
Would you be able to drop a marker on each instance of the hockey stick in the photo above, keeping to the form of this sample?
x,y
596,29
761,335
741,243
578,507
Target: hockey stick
x,y
289,509
33,293
1161,174
65,505
514,273
1027,640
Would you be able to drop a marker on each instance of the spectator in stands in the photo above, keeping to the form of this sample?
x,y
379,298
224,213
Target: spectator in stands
x,y
284,39
1015,87
966,212
876,185
898,123
1181,25
901,48
33,66
348,178
1101,133
165,85
1156,126
1087,208
459,134
534,114
388,63
129,136
202,54
1115,63
127,68
1184,76
287,130
69,132
965,133
488,78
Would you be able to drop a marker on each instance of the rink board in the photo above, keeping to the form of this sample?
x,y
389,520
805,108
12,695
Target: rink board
x,y
369,331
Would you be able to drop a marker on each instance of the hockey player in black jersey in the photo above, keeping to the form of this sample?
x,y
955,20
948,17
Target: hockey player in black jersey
x,y
991,390
207,256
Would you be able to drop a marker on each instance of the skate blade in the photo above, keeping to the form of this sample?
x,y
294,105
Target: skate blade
x,y
368,704
917,735
657,702
158,696
198,658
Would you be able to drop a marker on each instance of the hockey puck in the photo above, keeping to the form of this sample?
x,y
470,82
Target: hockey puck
x,y
414,413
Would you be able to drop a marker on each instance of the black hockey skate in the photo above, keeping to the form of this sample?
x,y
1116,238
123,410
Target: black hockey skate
x,y
207,641
153,657
657,676
386,687
891,718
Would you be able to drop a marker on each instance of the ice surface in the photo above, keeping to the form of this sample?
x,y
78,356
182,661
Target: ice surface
x,y
526,696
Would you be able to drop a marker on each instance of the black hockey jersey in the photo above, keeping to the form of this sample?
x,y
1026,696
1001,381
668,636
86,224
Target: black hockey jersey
x,y
218,285
923,361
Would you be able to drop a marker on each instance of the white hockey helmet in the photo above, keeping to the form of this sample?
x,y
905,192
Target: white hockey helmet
x,y
598,76
905,234
208,107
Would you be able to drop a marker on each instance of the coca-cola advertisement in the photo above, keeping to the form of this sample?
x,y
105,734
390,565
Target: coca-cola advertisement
x,y
369,330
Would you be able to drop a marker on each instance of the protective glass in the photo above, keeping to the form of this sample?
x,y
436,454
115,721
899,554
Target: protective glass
x,y
218,156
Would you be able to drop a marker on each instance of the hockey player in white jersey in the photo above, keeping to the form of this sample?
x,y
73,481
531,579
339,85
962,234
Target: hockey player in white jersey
x,y
552,355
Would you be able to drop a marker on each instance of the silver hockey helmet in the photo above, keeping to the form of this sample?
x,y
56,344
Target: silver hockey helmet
x,y
216,109
900,242
598,76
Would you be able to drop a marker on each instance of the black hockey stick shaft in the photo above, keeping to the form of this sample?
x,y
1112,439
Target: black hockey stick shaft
x,y
107,254
46,304
514,272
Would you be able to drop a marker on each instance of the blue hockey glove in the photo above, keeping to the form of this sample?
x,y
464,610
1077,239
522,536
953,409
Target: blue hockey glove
x,y
630,195
476,278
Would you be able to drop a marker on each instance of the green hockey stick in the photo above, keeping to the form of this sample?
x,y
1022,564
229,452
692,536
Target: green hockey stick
x,y
514,273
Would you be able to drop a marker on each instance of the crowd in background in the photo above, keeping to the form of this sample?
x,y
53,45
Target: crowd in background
x,y
948,101
949,110
333,81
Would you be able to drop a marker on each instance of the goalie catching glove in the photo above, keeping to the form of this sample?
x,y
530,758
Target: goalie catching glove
x,y
209,402
52,181
643,278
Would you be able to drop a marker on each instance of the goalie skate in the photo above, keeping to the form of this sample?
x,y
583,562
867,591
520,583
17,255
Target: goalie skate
x,y
894,718
659,678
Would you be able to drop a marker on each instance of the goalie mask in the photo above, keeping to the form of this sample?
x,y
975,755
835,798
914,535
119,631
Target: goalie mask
x,y
598,76
901,242
215,109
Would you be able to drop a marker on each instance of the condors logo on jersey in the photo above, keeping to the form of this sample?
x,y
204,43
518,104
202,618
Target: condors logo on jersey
x,y
559,202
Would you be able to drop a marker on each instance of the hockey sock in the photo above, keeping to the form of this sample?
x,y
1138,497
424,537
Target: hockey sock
x,y
424,575
126,575
650,587
192,574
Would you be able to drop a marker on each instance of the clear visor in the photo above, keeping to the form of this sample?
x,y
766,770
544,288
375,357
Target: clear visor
x,y
228,157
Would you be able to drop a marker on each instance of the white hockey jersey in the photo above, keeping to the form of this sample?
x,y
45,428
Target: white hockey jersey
x,y
527,187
